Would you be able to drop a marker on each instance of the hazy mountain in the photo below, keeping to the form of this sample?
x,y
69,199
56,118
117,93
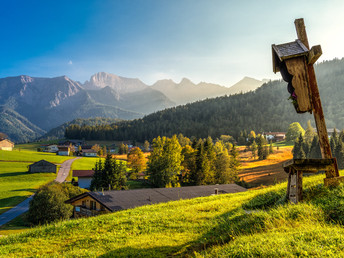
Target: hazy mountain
x,y
186,91
121,85
245,85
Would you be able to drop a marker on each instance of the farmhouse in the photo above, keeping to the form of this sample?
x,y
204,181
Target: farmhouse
x,y
89,153
42,166
63,150
6,144
84,177
51,148
275,136
95,203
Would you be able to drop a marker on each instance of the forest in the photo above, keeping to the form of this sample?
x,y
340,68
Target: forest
x,y
263,110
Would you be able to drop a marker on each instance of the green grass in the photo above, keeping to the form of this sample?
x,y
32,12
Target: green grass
x,y
16,184
31,156
283,144
249,224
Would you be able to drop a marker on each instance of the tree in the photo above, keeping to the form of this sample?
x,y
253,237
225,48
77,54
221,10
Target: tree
x,y
109,174
254,149
309,133
123,149
298,150
294,131
136,161
271,149
48,204
146,146
164,163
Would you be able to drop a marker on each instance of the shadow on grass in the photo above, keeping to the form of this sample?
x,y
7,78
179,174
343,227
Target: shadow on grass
x,y
25,189
161,251
13,174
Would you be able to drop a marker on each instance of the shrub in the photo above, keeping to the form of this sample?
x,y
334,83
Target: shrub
x,y
48,204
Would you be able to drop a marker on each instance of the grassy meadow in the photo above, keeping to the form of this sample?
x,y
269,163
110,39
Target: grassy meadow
x,y
16,183
253,223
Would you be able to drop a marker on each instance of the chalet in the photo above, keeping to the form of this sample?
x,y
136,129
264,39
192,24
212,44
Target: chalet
x,y
95,203
275,136
63,150
84,177
42,166
6,144
53,148
89,153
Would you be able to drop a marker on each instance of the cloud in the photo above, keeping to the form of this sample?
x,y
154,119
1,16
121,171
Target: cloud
x,y
70,62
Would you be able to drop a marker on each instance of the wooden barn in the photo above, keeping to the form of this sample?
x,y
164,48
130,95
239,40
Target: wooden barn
x,y
42,166
6,144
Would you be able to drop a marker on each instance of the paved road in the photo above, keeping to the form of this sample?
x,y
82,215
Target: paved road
x,y
24,206
64,170
16,211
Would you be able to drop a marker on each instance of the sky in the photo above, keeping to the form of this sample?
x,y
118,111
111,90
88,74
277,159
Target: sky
x,y
216,41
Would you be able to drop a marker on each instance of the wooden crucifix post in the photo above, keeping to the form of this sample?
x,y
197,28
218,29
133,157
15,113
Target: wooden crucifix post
x,y
319,118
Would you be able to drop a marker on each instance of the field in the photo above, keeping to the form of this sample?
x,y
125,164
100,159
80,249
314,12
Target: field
x,y
248,224
264,172
16,183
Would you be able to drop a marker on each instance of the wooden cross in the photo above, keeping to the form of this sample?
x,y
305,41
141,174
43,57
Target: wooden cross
x,y
295,62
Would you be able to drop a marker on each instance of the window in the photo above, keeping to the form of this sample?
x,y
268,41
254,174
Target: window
x,y
93,205
83,204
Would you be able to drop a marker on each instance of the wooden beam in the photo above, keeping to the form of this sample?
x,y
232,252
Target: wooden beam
x,y
314,54
317,107
301,31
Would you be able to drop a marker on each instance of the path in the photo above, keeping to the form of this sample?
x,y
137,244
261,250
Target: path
x,y
64,170
24,206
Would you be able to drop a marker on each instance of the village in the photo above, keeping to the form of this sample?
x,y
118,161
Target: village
x,y
105,201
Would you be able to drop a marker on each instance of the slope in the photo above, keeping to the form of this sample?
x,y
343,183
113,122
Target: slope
x,y
17,127
253,223
58,132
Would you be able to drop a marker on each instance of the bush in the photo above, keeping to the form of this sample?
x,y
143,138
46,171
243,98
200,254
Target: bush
x,y
48,204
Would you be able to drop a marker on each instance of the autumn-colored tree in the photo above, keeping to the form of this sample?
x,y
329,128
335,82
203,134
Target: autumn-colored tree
x,y
136,161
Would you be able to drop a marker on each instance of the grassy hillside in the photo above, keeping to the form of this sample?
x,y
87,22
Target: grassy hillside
x,y
254,223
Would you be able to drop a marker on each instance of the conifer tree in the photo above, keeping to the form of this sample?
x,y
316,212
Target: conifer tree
x,y
109,174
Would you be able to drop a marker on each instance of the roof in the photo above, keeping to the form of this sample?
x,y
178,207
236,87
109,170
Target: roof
x,y
126,199
42,163
83,173
287,51
6,140
89,151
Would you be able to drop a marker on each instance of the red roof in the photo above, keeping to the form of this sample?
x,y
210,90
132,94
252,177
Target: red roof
x,y
83,173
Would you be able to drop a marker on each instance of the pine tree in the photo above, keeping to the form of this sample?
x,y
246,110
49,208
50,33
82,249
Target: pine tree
x,y
109,175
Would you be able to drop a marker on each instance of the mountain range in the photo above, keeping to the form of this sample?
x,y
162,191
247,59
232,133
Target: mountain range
x,y
265,109
30,106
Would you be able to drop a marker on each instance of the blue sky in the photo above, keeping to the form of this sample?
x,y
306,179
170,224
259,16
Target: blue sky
x,y
218,41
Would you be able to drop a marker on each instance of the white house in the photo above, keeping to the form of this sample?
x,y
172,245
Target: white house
x,y
6,145
51,148
84,177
